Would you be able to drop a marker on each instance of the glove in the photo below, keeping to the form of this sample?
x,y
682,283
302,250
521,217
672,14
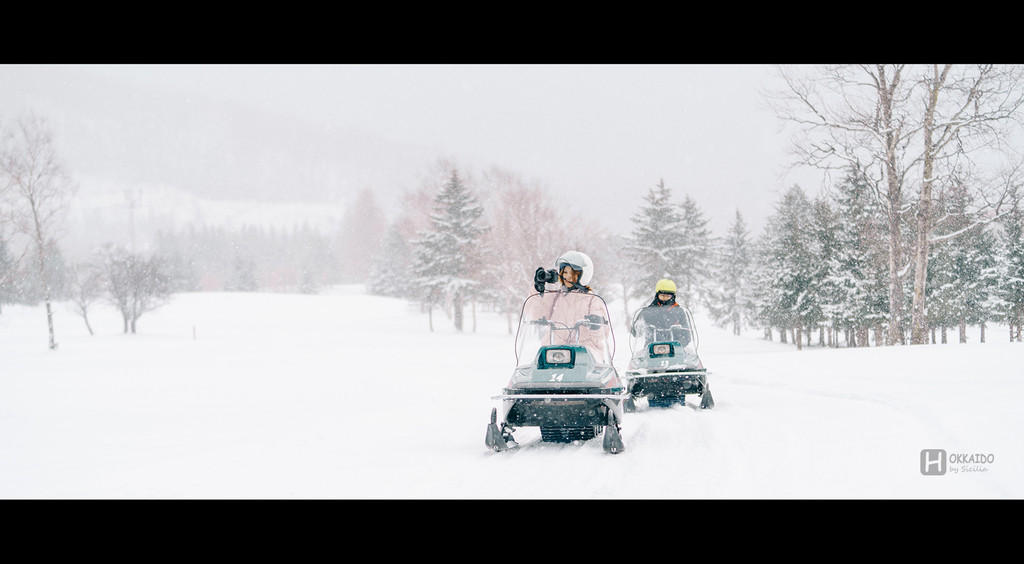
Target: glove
x,y
596,321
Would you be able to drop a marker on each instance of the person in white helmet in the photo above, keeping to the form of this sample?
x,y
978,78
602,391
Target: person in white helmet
x,y
565,307
575,270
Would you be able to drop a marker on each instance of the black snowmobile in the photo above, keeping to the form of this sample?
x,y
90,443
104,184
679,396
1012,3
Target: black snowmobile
x,y
664,366
564,381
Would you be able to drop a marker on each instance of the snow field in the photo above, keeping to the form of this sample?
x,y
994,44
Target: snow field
x,y
349,396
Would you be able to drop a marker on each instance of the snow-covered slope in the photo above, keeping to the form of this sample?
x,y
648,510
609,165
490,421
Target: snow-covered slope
x,y
344,395
105,212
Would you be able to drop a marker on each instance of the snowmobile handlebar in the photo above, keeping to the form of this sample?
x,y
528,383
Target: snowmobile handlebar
x,y
592,321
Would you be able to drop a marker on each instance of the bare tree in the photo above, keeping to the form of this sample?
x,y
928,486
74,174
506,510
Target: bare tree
x,y
361,232
618,271
856,116
964,111
39,188
86,289
134,284
526,232
897,123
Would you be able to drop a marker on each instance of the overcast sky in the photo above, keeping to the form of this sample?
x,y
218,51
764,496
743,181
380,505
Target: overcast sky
x,y
598,135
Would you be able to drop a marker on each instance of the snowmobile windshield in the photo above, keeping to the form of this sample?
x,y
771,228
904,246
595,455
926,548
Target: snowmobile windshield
x,y
659,324
565,318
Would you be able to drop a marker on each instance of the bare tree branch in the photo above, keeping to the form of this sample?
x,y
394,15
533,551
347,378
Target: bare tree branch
x,y
39,187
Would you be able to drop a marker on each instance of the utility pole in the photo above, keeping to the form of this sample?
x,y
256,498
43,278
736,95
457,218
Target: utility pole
x,y
133,197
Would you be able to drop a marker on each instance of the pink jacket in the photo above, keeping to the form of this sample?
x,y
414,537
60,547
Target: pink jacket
x,y
565,309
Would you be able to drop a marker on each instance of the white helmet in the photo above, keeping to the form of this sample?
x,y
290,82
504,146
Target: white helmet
x,y
578,261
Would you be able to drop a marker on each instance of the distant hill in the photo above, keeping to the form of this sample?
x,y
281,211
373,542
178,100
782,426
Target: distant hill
x,y
112,130
173,154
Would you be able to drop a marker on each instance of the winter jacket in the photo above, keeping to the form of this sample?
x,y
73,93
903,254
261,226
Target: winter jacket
x,y
663,316
565,308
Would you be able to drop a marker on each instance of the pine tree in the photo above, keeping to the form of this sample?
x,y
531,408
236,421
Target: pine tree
x,y
448,258
858,278
824,248
730,301
389,270
941,290
8,269
1011,288
966,273
789,265
989,303
657,242
766,301
670,242
693,256
244,277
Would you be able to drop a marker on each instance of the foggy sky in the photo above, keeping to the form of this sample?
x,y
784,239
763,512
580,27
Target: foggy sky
x,y
599,136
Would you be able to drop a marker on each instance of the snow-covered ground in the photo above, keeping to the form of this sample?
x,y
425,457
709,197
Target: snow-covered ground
x,y
349,396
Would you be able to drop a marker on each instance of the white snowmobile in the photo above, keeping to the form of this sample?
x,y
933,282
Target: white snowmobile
x,y
564,381
664,366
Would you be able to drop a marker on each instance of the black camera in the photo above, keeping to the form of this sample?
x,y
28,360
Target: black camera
x,y
542,277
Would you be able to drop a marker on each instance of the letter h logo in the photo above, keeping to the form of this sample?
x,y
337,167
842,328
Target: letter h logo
x,y
933,462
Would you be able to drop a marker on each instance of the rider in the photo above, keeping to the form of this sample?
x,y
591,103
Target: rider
x,y
664,312
562,307
575,269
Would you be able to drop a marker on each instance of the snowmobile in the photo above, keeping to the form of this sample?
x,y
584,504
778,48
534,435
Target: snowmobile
x,y
564,381
664,366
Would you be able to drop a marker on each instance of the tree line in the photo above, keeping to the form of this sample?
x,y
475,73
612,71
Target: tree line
x,y
821,269
930,167
818,271
911,131
468,241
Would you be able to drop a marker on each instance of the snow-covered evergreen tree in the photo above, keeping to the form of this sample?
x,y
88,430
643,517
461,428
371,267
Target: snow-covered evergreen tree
x,y
8,270
244,278
788,265
669,241
965,270
857,280
656,242
1011,288
944,306
730,297
766,314
390,266
448,258
824,247
694,254
990,305
942,310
